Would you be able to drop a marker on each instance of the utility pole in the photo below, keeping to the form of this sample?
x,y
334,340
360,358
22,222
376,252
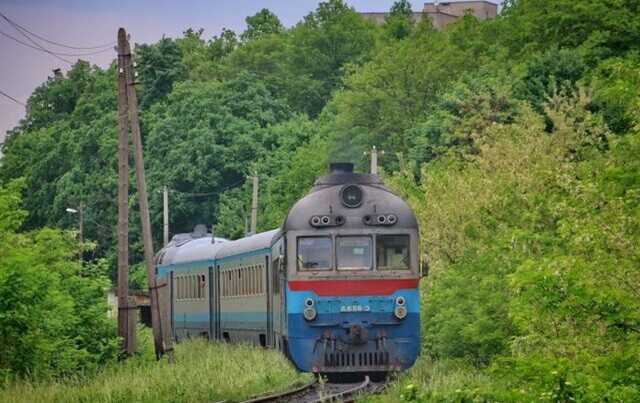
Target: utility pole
x,y
254,205
161,345
126,319
81,230
374,159
165,214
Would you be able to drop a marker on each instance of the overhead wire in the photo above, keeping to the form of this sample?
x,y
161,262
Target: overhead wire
x,y
16,25
207,193
37,47
12,98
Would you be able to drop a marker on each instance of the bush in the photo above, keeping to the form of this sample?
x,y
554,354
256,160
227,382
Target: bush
x,y
53,312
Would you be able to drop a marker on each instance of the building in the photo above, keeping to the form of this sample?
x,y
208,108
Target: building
x,y
443,13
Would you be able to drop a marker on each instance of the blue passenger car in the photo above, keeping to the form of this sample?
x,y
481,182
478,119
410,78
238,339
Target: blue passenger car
x,y
335,288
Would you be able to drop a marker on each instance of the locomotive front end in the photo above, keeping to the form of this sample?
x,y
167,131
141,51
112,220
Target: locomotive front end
x,y
352,301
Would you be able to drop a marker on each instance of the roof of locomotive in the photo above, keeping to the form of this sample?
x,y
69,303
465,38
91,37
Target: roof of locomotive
x,y
325,198
251,243
186,249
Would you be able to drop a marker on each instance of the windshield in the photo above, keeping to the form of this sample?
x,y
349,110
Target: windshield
x,y
392,252
314,253
354,253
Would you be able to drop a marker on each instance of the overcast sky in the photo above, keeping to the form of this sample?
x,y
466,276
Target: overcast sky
x,y
85,23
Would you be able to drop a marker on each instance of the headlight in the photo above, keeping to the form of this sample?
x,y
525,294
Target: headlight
x,y
351,196
400,312
309,313
400,301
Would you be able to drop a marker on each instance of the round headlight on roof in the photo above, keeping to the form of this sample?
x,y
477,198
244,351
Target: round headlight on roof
x,y
351,196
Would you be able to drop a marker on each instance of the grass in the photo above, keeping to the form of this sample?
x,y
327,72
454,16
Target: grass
x,y
437,381
202,372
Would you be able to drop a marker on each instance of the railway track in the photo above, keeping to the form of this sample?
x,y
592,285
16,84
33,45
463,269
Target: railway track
x,y
321,392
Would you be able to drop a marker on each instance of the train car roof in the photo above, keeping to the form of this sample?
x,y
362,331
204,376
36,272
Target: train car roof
x,y
181,250
248,244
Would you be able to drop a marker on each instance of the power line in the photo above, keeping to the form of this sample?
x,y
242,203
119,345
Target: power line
x,y
37,47
12,98
15,24
208,193
51,52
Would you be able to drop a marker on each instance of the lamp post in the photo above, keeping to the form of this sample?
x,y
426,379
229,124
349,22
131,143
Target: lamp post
x,y
80,212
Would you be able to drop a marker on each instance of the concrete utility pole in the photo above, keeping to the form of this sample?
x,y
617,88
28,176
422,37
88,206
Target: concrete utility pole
x,y
165,214
80,212
161,345
81,230
374,159
126,314
254,205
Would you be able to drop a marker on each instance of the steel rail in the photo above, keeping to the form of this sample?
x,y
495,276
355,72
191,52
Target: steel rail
x,y
283,395
347,395
314,392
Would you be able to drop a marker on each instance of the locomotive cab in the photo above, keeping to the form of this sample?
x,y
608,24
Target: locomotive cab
x,y
352,266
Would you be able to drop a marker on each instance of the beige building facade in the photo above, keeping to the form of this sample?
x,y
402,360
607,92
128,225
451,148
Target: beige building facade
x,y
443,13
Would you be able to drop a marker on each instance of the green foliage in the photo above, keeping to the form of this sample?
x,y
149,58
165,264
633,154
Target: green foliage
x,y
264,22
401,8
399,23
554,72
297,156
617,87
56,98
602,28
53,319
202,139
532,268
328,40
160,66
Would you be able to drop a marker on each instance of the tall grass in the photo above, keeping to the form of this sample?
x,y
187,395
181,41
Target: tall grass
x,y
202,372
438,381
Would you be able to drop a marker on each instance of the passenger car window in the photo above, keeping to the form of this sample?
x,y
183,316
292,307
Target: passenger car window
x,y
354,252
392,252
314,253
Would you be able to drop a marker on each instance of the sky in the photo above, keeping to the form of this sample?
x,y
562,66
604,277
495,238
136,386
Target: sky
x,y
86,23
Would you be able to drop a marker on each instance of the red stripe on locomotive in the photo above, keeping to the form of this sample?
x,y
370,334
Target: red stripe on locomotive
x,y
353,287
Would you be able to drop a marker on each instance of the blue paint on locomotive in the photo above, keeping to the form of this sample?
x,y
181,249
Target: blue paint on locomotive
x,y
329,332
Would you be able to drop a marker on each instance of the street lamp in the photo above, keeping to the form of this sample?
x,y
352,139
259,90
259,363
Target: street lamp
x,y
80,212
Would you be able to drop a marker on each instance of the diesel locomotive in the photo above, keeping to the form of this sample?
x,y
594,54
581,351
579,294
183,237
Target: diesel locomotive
x,y
335,288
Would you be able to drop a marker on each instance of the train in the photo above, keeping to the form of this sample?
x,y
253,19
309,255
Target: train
x,y
335,288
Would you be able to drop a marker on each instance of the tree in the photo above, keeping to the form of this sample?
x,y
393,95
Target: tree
x,y
160,66
262,23
53,319
399,23
202,140
401,8
330,38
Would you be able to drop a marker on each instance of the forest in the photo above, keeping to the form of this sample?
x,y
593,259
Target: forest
x,y
516,140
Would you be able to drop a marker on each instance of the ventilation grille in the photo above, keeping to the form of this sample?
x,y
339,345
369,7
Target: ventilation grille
x,y
367,359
